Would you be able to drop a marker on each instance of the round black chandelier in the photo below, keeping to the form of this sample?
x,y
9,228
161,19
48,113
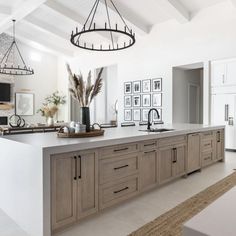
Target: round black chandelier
x,y
90,27
9,68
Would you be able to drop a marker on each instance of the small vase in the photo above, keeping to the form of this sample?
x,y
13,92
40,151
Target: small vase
x,y
85,117
50,121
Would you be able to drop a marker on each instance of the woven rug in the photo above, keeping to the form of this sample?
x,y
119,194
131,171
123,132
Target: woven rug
x,y
171,222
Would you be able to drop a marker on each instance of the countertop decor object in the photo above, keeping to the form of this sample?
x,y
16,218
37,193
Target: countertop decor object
x,y
108,8
9,68
84,92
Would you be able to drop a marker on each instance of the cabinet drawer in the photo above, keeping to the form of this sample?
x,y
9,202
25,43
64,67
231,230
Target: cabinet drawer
x,y
207,135
149,145
118,150
117,167
115,193
207,158
172,140
206,144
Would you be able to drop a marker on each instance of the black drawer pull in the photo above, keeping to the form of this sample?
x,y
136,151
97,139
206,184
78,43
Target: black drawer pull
x,y
119,150
150,152
123,189
150,144
121,167
75,158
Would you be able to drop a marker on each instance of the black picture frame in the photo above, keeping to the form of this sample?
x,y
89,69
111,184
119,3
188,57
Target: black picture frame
x,y
128,97
134,100
128,85
157,85
145,98
136,84
145,114
125,116
146,86
139,115
154,99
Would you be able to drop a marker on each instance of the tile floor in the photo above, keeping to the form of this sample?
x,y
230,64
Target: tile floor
x,y
131,215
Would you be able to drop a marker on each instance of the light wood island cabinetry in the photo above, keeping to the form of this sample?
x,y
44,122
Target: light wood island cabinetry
x,y
85,182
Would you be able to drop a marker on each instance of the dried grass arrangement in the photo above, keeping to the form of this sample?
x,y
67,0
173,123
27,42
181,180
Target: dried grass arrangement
x,y
84,92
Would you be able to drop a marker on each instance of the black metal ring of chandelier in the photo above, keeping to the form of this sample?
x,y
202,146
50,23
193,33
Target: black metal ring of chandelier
x,y
75,36
6,69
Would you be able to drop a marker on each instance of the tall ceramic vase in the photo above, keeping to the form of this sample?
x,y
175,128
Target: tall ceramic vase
x,y
85,117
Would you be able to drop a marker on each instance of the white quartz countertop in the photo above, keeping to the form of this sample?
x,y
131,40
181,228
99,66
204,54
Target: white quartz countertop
x,y
112,136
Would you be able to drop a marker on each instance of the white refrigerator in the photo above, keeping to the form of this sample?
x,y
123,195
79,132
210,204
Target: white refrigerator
x,y
223,113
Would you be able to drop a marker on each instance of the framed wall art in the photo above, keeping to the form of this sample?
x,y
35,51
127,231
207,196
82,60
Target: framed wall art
x,y
128,115
137,86
146,100
157,85
137,115
137,101
146,86
128,87
156,99
145,114
128,101
155,118
24,104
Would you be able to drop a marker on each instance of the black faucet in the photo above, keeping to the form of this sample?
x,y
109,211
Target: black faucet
x,y
149,117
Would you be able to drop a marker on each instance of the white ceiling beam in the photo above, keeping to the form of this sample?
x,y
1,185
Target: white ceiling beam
x,y
43,45
141,27
19,12
66,12
176,10
5,10
45,27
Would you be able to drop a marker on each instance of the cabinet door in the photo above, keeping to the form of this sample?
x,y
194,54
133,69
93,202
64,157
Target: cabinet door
x,y
63,190
179,161
231,73
165,163
218,74
87,169
148,169
219,145
194,155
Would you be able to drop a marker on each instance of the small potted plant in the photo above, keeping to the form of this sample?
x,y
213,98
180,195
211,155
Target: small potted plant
x,y
84,92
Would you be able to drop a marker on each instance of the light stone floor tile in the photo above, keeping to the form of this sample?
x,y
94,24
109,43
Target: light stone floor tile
x,y
131,215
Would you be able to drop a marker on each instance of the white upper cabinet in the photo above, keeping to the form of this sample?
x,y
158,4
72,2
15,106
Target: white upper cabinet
x,y
223,73
218,74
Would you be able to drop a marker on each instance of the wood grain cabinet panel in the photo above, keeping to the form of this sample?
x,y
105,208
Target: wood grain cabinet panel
x,y
63,190
149,168
219,145
194,153
179,160
87,184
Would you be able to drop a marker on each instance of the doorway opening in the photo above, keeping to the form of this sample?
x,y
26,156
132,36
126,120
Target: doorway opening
x,y
188,94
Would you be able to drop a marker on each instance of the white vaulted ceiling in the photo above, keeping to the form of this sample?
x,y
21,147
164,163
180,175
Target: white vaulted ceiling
x,y
48,23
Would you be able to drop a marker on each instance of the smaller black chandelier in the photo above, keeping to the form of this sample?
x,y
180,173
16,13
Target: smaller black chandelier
x,y
90,27
9,68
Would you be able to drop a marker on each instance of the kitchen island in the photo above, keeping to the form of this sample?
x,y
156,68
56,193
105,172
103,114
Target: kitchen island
x,y
48,183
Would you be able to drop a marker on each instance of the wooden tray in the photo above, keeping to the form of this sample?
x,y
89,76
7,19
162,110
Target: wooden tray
x,y
92,133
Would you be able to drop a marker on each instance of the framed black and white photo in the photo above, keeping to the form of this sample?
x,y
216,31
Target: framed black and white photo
x,y
128,101
137,86
137,101
128,88
155,117
24,104
157,85
145,114
128,115
146,100
146,86
137,115
156,99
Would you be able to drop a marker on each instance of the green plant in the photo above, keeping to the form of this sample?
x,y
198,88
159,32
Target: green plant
x,y
84,92
56,99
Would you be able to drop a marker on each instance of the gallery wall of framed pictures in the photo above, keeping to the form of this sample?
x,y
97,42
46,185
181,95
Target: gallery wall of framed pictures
x,y
140,96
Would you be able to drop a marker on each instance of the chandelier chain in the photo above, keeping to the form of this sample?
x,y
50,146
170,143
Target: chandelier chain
x,y
109,22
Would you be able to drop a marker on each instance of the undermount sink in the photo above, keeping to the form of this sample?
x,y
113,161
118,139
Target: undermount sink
x,y
160,130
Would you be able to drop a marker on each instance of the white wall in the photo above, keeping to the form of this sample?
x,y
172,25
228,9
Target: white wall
x,y
209,35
